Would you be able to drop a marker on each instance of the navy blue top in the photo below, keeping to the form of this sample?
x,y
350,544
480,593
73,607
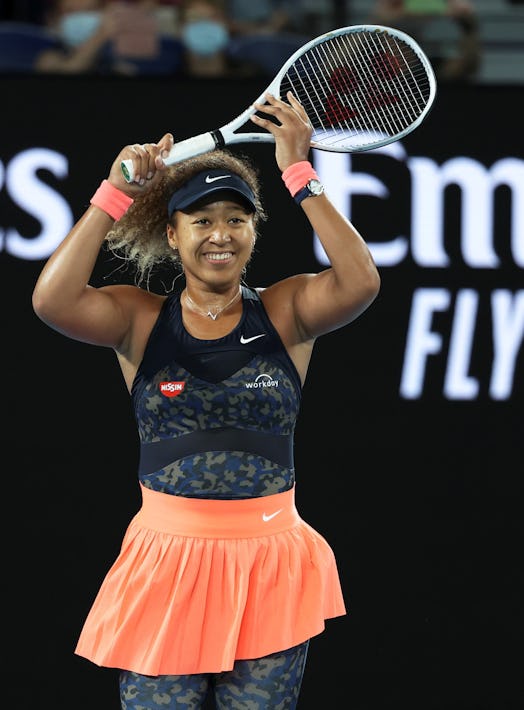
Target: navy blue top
x,y
216,418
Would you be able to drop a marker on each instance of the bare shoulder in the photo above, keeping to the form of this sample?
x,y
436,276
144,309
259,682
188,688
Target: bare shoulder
x,y
281,294
280,301
139,309
134,296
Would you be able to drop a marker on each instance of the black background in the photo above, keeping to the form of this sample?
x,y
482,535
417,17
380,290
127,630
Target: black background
x,y
421,500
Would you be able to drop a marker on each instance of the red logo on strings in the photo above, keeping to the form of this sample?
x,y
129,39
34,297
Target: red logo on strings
x,y
345,82
387,66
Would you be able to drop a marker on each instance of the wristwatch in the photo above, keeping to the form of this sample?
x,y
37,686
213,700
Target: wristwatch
x,y
313,188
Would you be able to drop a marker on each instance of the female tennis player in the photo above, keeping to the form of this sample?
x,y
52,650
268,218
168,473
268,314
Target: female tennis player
x,y
219,584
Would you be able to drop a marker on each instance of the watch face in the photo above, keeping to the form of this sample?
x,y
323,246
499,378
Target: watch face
x,y
315,187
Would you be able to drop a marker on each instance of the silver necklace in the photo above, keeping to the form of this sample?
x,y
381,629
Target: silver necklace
x,y
208,313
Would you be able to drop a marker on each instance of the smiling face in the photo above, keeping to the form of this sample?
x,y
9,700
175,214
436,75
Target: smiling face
x,y
215,241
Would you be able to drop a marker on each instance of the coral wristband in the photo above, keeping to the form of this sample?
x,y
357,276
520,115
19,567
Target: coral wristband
x,y
112,200
298,175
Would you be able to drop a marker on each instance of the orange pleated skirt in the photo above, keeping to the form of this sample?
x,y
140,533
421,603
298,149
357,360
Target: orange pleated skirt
x,y
200,583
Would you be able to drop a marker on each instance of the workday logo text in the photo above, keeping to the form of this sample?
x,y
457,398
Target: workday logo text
x,y
261,382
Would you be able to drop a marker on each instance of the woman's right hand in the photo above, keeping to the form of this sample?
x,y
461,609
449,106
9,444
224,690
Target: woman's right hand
x,y
148,165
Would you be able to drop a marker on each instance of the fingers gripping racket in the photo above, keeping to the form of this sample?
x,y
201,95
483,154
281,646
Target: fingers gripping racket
x,y
362,87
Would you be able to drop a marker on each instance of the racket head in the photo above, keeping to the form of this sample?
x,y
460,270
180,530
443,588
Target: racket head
x,y
362,86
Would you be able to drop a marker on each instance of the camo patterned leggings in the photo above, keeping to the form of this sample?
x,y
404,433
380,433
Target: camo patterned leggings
x,y
269,683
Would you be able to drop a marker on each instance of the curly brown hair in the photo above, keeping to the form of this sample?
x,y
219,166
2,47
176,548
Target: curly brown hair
x,y
139,237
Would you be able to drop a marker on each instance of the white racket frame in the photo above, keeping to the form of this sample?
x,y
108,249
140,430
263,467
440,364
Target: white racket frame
x,y
228,135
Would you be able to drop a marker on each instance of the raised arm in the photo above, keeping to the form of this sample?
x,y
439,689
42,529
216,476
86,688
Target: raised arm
x,y
62,296
334,297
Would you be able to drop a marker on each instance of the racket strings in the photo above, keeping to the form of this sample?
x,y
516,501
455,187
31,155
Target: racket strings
x,y
359,87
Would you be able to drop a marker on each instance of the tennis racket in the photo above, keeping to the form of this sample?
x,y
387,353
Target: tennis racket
x,y
362,87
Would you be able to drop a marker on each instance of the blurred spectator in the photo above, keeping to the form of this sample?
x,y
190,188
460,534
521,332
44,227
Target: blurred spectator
x,y
260,17
415,17
304,17
205,36
107,37
167,13
265,34
83,30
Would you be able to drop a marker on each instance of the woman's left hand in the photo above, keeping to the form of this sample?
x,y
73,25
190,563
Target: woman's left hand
x,y
293,131
148,164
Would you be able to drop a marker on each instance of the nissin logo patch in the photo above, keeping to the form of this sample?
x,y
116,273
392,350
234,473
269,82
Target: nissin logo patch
x,y
171,389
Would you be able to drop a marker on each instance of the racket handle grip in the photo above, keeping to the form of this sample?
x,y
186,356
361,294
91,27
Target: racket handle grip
x,y
204,143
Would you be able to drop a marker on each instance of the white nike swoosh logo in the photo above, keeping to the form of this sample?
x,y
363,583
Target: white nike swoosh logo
x,y
244,341
265,517
218,177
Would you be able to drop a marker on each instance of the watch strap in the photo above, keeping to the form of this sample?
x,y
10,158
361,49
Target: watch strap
x,y
302,194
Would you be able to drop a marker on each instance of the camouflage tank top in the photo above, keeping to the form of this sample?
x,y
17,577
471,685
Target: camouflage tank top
x,y
216,418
